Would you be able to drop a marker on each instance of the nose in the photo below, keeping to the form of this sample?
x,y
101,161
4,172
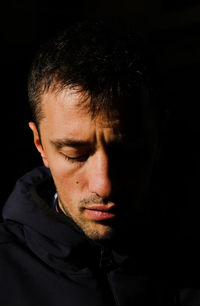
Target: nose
x,y
99,176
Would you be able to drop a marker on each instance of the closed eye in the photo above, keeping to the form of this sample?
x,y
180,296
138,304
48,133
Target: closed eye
x,y
81,158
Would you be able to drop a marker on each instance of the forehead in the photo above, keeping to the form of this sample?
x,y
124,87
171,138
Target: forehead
x,y
68,110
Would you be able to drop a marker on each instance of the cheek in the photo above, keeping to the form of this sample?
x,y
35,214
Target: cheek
x,y
70,181
69,178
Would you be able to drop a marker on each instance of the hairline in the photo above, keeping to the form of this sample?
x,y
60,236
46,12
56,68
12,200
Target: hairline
x,y
57,87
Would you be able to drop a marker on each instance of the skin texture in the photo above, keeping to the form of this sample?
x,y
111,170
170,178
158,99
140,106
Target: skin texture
x,y
91,164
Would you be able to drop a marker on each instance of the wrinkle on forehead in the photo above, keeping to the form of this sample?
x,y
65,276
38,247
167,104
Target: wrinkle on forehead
x,y
64,118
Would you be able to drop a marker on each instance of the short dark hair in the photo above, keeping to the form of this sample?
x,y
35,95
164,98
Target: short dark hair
x,y
103,60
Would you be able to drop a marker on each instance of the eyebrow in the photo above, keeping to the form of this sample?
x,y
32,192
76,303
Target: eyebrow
x,y
74,143
68,142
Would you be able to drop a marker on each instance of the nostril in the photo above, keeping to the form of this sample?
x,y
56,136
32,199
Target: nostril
x,y
101,184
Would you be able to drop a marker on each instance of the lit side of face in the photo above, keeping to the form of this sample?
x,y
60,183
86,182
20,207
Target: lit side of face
x,y
93,167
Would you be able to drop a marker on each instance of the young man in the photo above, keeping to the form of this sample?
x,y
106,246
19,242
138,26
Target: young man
x,y
78,231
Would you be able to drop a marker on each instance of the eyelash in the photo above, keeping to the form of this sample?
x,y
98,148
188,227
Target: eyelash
x,y
76,159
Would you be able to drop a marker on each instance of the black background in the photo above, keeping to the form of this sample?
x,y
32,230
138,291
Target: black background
x,y
173,29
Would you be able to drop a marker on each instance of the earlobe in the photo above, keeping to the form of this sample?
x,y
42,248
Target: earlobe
x,y
37,142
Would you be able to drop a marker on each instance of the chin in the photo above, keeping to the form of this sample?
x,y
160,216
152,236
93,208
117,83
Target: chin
x,y
100,233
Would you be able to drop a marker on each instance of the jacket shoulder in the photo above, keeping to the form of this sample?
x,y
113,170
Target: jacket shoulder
x,y
6,235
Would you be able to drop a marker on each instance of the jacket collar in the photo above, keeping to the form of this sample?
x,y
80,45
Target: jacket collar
x,y
53,237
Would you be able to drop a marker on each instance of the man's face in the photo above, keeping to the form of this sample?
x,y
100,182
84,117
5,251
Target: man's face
x,y
101,173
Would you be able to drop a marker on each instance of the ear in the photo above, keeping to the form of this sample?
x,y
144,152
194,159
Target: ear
x,y
38,144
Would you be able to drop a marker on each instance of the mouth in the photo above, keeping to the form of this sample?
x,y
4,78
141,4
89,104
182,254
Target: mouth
x,y
100,212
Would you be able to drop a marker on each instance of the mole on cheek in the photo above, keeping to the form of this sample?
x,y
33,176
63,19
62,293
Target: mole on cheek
x,y
77,182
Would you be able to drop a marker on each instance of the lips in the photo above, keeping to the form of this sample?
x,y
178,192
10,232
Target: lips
x,y
100,212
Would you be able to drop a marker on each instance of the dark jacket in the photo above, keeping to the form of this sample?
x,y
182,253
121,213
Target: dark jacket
x,y
46,260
